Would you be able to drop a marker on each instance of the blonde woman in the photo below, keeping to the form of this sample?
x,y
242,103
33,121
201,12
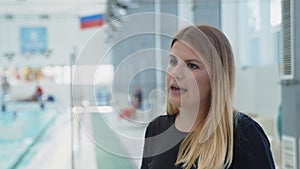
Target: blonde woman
x,y
201,130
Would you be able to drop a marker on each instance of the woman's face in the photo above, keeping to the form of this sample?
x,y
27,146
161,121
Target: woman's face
x,y
188,82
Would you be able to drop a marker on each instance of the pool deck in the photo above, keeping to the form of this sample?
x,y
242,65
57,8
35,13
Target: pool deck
x,y
94,130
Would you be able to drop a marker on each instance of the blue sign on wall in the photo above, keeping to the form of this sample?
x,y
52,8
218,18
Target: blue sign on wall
x,y
33,40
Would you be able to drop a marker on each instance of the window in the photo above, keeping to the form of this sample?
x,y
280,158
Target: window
x,y
254,28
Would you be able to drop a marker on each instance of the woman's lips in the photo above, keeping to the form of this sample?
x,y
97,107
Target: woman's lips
x,y
177,90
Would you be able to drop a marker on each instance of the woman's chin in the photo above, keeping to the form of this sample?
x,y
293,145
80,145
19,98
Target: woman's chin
x,y
175,102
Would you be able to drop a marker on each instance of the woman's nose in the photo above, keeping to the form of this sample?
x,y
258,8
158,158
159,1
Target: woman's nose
x,y
178,72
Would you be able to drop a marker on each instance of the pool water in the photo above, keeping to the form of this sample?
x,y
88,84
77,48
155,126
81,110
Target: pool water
x,y
19,132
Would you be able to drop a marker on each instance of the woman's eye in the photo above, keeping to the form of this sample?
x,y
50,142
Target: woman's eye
x,y
173,62
192,66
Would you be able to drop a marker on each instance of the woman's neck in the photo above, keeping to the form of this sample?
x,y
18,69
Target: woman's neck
x,y
187,119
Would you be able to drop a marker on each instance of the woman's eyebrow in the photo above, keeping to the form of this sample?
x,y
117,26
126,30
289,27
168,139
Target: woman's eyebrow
x,y
192,60
172,56
186,60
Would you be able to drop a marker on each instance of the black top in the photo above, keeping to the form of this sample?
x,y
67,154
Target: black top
x,y
251,145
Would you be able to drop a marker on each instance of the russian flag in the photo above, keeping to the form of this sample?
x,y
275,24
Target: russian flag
x,y
96,20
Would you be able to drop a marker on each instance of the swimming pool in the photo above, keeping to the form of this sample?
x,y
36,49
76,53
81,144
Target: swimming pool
x,y
20,130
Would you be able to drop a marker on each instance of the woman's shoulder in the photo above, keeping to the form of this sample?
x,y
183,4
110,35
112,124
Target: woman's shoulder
x,y
246,126
242,120
251,144
243,123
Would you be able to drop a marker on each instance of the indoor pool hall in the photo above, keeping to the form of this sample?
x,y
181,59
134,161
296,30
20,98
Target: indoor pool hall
x,y
149,84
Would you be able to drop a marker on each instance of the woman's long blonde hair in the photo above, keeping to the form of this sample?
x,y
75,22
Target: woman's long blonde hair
x,y
210,144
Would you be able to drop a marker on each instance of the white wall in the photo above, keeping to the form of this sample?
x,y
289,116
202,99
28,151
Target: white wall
x,y
64,38
258,90
63,34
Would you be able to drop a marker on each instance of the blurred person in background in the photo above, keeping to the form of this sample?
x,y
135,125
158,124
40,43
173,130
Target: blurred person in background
x,y
5,86
137,98
37,96
135,103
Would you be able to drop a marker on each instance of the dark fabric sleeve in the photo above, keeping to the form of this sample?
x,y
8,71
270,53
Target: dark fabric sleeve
x,y
153,158
146,148
253,147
